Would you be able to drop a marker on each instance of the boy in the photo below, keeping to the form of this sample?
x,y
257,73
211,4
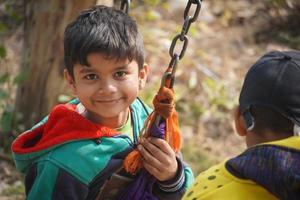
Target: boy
x,y
268,116
77,152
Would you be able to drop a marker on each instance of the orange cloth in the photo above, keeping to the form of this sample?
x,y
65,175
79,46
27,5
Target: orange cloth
x,y
163,107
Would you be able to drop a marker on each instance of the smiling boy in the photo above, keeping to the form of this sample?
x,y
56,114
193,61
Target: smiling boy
x,y
107,87
78,151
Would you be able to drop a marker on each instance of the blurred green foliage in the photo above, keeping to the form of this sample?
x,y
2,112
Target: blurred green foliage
x,y
14,190
148,93
2,51
149,10
218,96
10,122
10,19
285,4
198,160
211,97
284,23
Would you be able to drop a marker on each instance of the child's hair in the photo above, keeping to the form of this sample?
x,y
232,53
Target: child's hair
x,y
102,30
267,119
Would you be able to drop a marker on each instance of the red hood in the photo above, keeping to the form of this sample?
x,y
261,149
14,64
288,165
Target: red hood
x,y
64,124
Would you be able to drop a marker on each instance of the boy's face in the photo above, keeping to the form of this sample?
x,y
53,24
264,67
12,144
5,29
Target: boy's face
x,y
107,88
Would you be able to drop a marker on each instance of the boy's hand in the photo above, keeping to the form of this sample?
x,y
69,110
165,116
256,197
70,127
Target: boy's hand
x,y
159,158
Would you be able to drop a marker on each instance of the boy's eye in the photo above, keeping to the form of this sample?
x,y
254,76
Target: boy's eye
x,y
120,74
91,77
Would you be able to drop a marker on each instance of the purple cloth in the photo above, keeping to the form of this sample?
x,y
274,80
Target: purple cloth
x,y
158,131
276,168
142,185
140,188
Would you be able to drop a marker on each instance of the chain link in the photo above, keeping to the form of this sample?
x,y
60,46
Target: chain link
x,y
185,27
125,5
188,20
184,46
173,64
188,7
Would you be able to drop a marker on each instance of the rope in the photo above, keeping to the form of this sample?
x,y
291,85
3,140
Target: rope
x,y
163,121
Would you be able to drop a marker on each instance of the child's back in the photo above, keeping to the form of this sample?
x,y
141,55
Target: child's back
x,y
269,117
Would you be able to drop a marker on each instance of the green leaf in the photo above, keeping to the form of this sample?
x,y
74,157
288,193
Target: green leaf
x,y
8,7
4,78
7,119
16,17
152,2
20,78
152,15
16,189
2,52
3,27
3,94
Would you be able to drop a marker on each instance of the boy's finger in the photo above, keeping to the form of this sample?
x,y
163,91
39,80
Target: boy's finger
x,y
148,157
163,158
154,150
162,145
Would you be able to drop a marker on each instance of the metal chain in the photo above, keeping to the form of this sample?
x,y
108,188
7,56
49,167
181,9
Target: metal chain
x,y
188,20
125,5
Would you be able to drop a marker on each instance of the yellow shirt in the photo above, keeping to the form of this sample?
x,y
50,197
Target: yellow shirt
x,y
217,183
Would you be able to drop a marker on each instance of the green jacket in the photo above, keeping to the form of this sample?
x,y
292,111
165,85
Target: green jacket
x,y
66,156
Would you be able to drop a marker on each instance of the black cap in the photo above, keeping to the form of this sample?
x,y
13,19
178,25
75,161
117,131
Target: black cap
x,y
273,81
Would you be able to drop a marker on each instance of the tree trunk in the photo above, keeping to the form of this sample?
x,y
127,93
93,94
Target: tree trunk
x,y
45,21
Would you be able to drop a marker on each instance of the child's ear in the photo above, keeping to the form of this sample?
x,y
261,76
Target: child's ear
x,y
240,124
143,73
70,81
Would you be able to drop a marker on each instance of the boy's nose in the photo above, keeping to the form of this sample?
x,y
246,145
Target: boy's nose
x,y
107,87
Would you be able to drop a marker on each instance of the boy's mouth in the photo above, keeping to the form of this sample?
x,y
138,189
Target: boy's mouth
x,y
116,100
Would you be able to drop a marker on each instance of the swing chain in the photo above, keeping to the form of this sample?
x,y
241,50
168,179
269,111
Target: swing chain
x,y
125,5
188,20
188,7
173,65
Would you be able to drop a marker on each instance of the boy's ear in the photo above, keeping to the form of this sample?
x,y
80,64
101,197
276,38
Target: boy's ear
x,y
143,73
240,124
70,81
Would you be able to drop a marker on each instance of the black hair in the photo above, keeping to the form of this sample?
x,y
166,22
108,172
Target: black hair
x,y
104,30
268,119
